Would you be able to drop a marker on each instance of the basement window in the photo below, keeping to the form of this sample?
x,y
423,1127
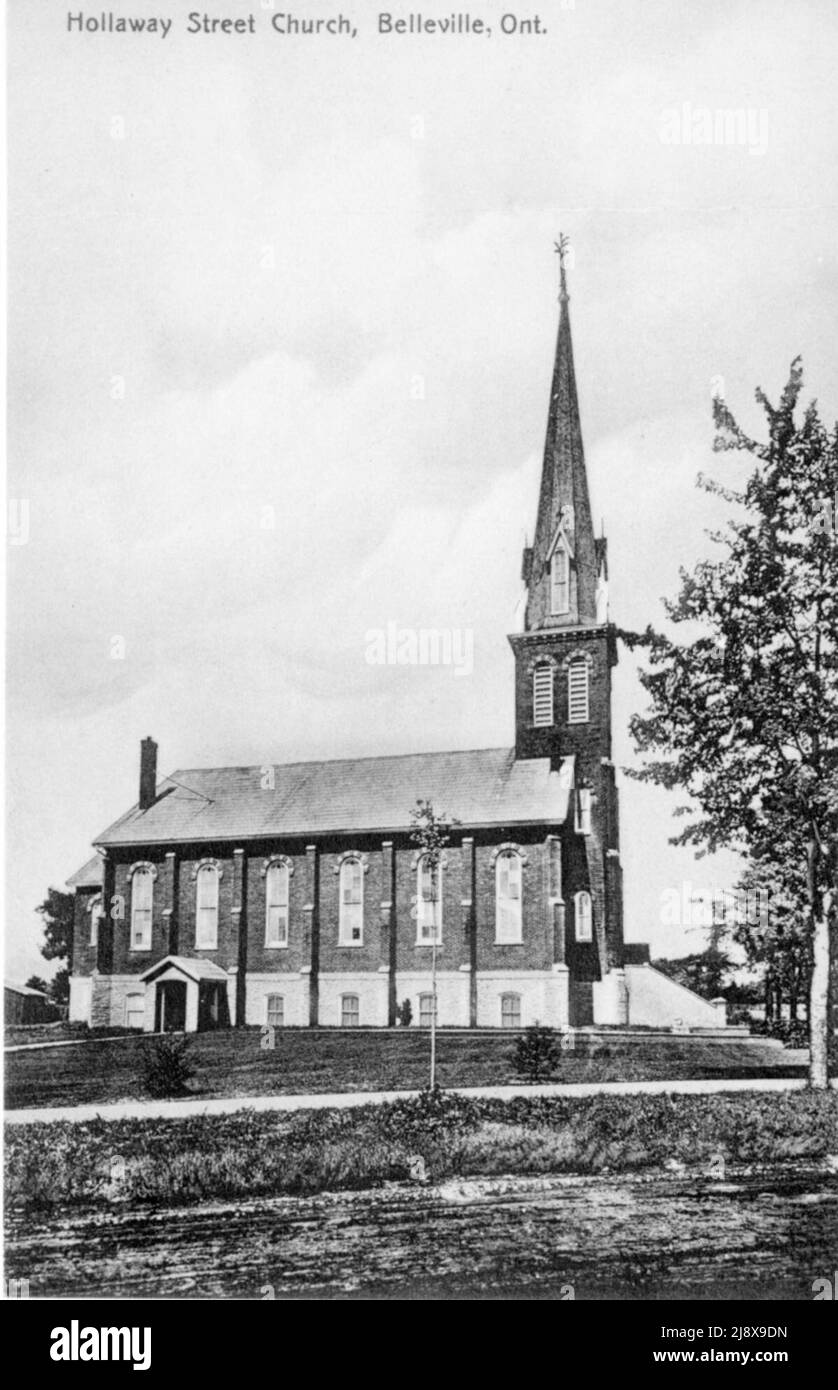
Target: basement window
x,y
275,1010
350,1011
510,1010
426,1010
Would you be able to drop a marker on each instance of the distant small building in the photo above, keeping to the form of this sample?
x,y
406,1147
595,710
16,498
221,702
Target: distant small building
x,y
25,1005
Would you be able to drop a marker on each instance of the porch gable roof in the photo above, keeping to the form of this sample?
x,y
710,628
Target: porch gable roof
x,y
192,966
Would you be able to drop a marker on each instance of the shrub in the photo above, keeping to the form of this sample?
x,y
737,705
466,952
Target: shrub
x,y
536,1054
404,1013
791,1033
166,1066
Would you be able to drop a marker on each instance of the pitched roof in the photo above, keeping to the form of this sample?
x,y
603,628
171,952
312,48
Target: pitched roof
x,y
88,876
194,966
479,788
25,989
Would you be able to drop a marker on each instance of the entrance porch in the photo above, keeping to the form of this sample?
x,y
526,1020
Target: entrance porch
x,y
185,994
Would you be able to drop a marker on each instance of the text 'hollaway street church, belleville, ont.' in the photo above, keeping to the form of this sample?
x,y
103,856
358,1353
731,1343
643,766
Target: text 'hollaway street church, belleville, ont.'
x,y
221,900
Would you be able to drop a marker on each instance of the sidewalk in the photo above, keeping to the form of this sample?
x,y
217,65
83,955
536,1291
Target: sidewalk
x,y
181,1109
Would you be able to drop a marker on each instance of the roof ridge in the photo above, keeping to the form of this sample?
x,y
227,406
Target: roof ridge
x,y
320,762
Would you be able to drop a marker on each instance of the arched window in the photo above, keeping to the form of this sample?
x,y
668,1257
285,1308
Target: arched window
x,y
428,903
275,1012
554,869
95,914
508,898
426,1010
578,704
583,810
206,908
560,581
583,922
142,899
510,1010
350,1011
351,928
542,695
276,905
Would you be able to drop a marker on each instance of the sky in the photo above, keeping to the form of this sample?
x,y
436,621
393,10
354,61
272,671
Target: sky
x,y
281,323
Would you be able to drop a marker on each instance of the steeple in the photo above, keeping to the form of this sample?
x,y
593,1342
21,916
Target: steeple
x,y
562,588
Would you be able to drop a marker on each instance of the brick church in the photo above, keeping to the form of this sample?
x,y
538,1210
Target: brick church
x,y
295,896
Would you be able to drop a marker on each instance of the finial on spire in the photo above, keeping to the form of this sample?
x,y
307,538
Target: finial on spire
x,y
562,247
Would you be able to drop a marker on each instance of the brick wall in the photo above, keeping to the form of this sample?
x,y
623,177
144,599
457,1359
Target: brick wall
x,y
315,962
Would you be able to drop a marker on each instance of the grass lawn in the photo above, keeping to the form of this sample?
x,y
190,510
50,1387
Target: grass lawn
x,y
235,1064
432,1139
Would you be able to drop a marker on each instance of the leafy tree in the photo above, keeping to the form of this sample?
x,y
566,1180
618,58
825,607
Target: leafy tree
x,y
35,982
704,972
57,913
744,715
777,941
431,833
59,986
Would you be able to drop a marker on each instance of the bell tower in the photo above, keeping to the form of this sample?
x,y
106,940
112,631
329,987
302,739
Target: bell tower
x,y
565,654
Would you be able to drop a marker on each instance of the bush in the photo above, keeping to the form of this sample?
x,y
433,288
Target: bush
x,y
536,1054
166,1067
404,1013
790,1033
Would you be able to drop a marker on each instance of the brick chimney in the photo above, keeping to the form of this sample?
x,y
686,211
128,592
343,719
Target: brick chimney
x,y
148,773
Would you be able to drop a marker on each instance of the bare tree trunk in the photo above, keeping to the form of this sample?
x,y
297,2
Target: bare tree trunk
x,y
819,1011
819,1005
433,1008
769,998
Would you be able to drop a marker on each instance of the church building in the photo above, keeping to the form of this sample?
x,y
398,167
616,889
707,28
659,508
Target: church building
x,y
294,895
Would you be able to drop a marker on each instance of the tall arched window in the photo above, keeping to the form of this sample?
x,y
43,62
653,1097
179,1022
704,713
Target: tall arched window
x,y
142,900
428,903
542,695
560,581
351,928
578,711
206,908
276,905
583,810
554,869
508,898
583,920
95,913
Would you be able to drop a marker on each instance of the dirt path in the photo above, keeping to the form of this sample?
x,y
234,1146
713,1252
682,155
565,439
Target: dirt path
x,y
178,1109
754,1236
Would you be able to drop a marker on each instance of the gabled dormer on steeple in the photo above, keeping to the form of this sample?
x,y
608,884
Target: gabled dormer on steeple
x,y
561,567
564,654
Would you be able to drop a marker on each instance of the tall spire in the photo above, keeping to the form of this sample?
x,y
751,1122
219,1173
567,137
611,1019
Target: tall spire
x,y
564,509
